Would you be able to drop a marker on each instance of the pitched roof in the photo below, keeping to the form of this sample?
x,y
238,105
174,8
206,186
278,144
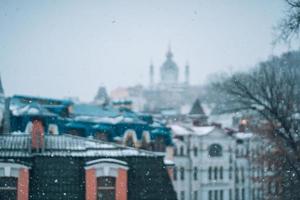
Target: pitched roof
x,y
19,145
197,108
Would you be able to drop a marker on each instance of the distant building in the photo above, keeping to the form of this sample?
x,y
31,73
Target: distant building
x,y
213,163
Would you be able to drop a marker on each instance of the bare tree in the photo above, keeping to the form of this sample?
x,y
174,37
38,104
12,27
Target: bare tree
x,y
289,26
271,91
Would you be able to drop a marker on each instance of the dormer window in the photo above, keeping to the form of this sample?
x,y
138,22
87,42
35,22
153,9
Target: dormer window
x,y
215,150
106,187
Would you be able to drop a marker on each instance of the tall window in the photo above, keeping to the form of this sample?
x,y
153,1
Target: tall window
x,y
242,174
175,174
181,173
230,172
215,150
159,144
209,195
182,195
181,151
195,173
243,194
195,195
230,194
8,188
236,175
106,188
221,173
209,173
216,173
221,195
195,151
216,195
237,194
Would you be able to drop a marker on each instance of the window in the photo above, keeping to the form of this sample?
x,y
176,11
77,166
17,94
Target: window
x,y
101,136
182,195
106,187
175,151
195,173
195,195
236,175
221,195
230,172
8,188
159,144
215,150
106,179
209,195
221,173
216,195
195,151
243,194
230,194
237,195
216,173
242,174
209,173
181,173
181,151
175,174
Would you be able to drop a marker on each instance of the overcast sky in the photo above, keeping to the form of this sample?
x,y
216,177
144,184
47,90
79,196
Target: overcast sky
x,y
70,48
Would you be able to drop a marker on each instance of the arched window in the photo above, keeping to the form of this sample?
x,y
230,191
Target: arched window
x,y
209,173
130,138
216,173
215,150
195,173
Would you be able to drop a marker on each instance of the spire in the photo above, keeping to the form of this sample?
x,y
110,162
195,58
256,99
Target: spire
x,y
151,74
1,87
169,53
187,74
197,108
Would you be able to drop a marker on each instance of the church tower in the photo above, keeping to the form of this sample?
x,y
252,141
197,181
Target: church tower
x,y
151,74
187,74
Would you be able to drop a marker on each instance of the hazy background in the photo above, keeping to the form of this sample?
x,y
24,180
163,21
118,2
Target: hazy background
x,y
70,48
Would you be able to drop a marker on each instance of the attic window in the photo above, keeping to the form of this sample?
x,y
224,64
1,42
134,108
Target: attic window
x,y
215,150
106,187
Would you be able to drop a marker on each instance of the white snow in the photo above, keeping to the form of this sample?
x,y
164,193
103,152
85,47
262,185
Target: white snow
x,y
202,130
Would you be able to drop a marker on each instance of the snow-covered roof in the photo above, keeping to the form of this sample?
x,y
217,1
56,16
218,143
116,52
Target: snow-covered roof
x,y
202,130
191,130
241,135
179,130
18,145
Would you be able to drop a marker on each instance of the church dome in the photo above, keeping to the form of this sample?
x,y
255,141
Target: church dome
x,y
169,70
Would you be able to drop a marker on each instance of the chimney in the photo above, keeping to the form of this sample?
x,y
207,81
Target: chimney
x,y
37,137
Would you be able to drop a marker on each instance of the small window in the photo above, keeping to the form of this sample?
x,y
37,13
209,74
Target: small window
x,y
106,188
195,173
215,150
195,149
175,174
181,173
8,188
181,151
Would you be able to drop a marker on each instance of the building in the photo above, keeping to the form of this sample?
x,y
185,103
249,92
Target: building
x,y
213,163
43,166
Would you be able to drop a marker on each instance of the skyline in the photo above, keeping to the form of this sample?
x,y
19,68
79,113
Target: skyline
x,y
61,49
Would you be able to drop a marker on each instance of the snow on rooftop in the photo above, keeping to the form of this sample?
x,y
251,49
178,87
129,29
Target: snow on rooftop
x,y
241,135
179,130
202,130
